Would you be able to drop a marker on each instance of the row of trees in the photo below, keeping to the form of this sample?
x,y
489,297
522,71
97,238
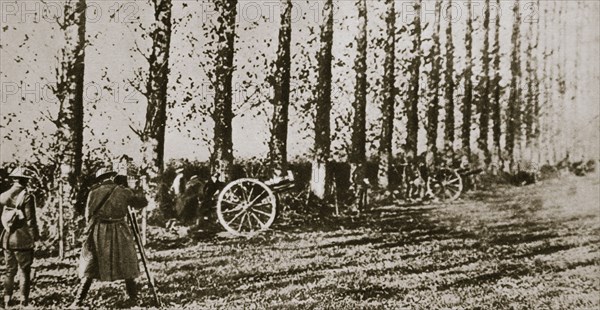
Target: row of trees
x,y
462,111
528,126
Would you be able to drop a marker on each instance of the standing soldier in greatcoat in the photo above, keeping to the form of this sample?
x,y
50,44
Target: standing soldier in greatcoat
x,y
108,252
19,234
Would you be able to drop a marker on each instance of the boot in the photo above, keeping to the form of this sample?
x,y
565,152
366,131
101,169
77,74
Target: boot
x,y
24,289
7,299
82,292
131,288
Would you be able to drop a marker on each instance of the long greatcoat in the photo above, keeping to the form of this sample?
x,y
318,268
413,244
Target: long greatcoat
x,y
109,252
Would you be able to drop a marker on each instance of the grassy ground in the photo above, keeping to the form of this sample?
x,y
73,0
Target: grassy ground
x,y
534,247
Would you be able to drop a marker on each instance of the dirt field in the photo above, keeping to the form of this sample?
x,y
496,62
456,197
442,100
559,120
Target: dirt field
x,y
534,247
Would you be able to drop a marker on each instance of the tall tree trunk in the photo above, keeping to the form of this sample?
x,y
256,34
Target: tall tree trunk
x,y
387,110
467,103
153,137
358,148
556,71
549,102
320,179
449,120
512,122
574,136
562,136
541,112
484,89
527,110
412,104
69,121
433,111
531,115
280,83
497,89
222,157
536,117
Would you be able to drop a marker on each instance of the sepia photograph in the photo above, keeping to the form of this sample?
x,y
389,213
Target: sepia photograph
x,y
300,154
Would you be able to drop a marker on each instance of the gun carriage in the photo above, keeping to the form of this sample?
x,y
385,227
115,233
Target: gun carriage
x,y
247,206
439,184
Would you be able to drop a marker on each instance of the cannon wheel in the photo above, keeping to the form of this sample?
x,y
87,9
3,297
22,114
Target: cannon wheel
x,y
246,206
445,185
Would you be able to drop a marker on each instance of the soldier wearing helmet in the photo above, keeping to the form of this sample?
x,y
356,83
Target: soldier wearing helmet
x,y
19,234
108,252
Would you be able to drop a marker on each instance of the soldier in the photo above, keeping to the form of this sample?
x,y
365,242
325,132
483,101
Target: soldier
x,y
19,234
190,201
108,252
360,184
183,210
179,182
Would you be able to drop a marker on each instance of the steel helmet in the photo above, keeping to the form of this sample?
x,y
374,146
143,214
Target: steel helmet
x,y
104,171
22,173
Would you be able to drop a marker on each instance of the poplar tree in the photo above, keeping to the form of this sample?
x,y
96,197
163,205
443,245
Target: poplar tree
x,y
497,88
412,103
433,110
389,92
280,82
449,82
512,121
322,145
153,134
222,157
484,88
358,148
467,102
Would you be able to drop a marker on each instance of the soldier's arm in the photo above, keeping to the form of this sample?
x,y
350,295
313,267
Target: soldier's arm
x,y
137,199
30,217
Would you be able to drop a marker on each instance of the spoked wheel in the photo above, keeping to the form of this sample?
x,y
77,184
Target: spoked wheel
x,y
445,185
246,206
